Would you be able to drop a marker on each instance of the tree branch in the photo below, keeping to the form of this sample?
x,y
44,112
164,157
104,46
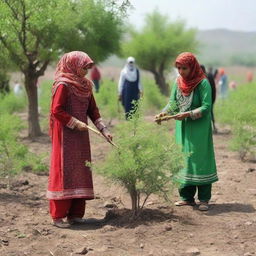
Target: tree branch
x,y
15,14
40,72
21,34
23,28
12,53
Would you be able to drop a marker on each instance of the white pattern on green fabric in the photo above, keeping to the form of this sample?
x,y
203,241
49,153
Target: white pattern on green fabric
x,y
184,102
197,178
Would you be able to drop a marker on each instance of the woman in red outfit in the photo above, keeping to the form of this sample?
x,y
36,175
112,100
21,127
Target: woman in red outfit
x,y
70,180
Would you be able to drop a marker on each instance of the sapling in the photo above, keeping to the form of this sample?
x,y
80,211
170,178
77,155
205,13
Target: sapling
x,y
144,162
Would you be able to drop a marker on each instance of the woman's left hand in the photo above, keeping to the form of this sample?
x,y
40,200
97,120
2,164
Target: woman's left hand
x,y
107,134
182,116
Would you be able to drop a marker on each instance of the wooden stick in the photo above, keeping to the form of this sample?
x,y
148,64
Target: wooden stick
x,y
165,118
100,134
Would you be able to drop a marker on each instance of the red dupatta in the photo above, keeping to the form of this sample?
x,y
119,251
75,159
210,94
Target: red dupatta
x,y
67,73
196,75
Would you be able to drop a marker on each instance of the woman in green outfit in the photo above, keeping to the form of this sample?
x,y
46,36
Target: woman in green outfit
x,y
192,95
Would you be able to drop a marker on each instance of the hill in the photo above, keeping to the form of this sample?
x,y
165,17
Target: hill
x,y
226,47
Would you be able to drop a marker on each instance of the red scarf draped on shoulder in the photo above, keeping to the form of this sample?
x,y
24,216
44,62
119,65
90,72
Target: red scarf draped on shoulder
x,y
196,75
67,73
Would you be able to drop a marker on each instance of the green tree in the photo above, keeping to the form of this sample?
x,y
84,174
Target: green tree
x,y
157,45
145,161
37,32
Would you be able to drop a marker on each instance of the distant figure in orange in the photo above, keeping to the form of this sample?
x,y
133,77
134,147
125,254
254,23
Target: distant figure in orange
x,y
232,85
249,76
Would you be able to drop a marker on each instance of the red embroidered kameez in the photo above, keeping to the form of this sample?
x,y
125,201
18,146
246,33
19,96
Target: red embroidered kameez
x,y
70,179
69,175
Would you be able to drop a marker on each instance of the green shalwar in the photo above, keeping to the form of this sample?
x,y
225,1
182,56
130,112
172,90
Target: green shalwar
x,y
194,134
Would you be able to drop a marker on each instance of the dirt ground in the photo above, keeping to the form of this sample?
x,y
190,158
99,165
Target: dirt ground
x,y
227,229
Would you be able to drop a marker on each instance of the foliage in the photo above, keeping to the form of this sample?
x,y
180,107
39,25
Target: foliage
x,y
4,76
143,164
11,103
157,45
152,98
14,156
244,140
107,100
98,30
239,112
34,33
36,30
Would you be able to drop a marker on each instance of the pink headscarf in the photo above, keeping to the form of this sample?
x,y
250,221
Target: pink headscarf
x,y
67,73
196,75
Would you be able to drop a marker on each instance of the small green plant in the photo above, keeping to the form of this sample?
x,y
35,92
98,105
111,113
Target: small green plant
x,y
145,162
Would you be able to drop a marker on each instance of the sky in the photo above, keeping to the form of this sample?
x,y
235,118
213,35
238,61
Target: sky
x,y
239,15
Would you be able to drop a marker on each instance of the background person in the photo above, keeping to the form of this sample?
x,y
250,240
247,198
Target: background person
x,y
129,86
210,78
95,77
223,84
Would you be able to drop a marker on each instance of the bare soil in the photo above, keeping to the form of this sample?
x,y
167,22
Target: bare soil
x,y
227,229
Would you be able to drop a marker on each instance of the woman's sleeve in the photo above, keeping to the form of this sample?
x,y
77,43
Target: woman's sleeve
x,y
121,83
58,107
94,114
205,93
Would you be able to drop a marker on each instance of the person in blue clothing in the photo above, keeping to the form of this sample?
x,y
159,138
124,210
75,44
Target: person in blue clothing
x,y
129,86
223,84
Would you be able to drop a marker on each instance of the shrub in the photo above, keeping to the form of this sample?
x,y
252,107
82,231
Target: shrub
x,y
238,110
153,99
107,101
244,141
10,103
14,156
145,162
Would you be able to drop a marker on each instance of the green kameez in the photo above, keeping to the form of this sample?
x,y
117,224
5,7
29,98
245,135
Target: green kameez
x,y
194,134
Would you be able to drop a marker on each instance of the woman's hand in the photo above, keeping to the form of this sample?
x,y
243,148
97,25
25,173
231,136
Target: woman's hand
x,y
182,116
107,134
158,117
81,126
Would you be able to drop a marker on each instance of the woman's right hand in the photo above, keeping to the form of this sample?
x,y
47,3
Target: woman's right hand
x,y
158,117
81,126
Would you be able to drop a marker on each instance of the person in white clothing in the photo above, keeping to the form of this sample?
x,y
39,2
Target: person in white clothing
x,y
129,86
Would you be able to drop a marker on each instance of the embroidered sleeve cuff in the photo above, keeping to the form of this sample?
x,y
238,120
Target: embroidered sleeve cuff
x,y
72,123
196,113
100,125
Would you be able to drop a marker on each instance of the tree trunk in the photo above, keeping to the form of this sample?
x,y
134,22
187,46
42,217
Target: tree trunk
x,y
33,117
134,198
160,81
